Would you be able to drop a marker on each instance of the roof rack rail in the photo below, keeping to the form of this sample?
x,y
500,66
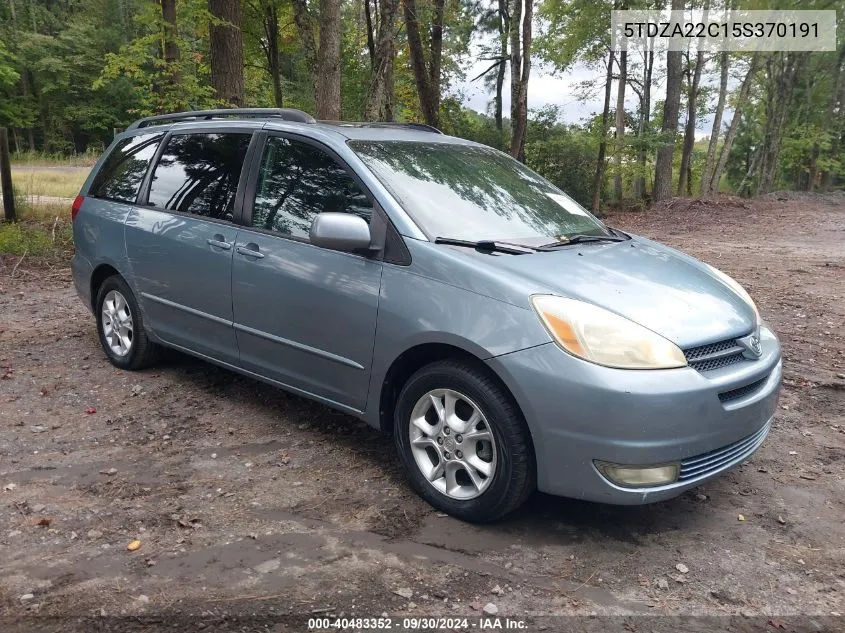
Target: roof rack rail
x,y
287,114
423,127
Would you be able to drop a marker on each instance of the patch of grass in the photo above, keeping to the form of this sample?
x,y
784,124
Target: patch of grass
x,y
19,238
59,182
43,233
44,212
66,160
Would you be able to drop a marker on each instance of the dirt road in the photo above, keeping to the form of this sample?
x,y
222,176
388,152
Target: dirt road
x,y
257,509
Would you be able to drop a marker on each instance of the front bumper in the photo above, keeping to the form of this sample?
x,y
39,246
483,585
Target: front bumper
x,y
579,412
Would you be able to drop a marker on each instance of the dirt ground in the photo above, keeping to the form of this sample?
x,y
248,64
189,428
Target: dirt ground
x,y
256,509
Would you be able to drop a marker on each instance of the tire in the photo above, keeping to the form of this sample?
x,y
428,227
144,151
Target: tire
x,y
509,457
140,351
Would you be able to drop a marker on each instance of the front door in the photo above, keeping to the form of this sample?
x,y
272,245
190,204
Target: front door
x,y
180,244
304,316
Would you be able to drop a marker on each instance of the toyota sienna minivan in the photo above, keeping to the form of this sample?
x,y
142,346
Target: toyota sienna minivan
x,y
436,288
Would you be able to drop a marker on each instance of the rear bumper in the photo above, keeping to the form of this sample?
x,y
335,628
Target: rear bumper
x,y
579,412
81,270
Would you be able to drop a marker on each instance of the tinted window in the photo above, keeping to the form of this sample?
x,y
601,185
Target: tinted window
x,y
198,173
297,182
121,175
474,192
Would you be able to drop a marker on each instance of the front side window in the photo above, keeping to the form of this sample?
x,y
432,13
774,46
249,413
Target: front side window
x,y
298,181
199,173
473,192
122,172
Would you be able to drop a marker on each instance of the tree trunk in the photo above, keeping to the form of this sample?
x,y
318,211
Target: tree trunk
x,y
685,177
598,182
710,165
620,124
30,136
520,70
227,51
375,108
170,44
782,75
733,128
663,164
305,27
750,171
645,117
837,101
327,89
371,45
426,76
274,61
436,43
389,82
504,22
515,62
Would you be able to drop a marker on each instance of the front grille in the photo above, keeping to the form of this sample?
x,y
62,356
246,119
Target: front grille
x,y
714,355
740,392
707,463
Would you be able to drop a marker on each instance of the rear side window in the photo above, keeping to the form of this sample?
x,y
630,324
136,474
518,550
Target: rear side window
x,y
297,182
121,174
199,173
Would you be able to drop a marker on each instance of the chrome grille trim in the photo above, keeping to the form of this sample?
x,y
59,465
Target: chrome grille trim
x,y
721,458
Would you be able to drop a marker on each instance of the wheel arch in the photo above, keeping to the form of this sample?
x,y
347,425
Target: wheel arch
x,y
98,276
414,358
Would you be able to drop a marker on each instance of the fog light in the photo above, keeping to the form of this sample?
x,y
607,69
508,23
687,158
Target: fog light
x,y
639,476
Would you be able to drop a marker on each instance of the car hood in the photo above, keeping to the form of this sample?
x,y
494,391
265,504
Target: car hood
x,y
656,286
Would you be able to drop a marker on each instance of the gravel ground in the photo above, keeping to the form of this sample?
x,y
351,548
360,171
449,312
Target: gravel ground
x,y
254,509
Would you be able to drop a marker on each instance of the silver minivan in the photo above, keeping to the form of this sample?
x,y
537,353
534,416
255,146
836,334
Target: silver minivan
x,y
436,288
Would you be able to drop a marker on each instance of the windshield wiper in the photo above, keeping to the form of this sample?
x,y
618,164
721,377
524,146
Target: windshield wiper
x,y
566,240
617,232
488,245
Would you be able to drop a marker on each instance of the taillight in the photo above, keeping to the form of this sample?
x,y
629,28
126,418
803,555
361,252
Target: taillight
x,y
76,206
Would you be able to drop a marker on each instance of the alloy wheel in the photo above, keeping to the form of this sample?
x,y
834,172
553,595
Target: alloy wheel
x,y
452,444
117,323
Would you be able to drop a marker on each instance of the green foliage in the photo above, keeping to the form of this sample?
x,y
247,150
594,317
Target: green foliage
x,y
71,72
574,30
568,161
19,238
160,85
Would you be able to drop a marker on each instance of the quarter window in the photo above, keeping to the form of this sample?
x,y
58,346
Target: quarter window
x,y
298,181
199,173
122,172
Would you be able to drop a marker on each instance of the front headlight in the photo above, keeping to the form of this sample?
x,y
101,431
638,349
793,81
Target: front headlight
x,y
734,285
605,338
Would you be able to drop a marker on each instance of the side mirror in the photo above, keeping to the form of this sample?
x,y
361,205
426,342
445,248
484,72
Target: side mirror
x,y
340,232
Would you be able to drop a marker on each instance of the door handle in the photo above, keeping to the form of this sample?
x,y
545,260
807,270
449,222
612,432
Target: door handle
x,y
250,250
218,241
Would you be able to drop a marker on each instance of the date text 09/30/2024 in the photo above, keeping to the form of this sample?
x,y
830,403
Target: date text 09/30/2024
x,y
415,624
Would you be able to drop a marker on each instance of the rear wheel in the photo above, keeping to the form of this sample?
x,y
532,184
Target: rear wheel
x,y
121,327
463,442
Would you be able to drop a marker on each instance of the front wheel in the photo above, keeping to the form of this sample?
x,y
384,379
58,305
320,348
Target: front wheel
x,y
463,442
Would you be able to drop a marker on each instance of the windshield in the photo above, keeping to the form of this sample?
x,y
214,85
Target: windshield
x,y
472,192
